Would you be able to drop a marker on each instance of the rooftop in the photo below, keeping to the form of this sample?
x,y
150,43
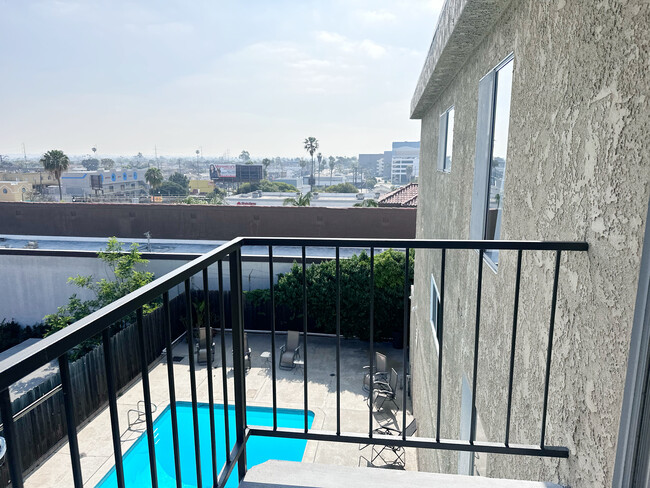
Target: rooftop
x,y
406,196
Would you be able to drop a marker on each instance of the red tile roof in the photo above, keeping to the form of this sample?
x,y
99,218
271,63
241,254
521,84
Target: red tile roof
x,y
407,196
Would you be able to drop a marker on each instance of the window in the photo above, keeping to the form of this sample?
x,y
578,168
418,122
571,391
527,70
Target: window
x,y
492,127
434,311
446,140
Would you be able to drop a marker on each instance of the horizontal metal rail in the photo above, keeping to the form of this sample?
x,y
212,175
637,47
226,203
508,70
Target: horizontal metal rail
x,y
421,442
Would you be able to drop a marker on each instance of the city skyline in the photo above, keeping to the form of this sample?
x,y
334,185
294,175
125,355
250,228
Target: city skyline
x,y
224,78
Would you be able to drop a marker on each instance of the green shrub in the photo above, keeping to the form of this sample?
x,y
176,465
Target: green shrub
x,y
12,333
266,185
341,188
355,294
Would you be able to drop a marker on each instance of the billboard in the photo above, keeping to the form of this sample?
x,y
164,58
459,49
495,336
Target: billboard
x,y
236,172
218,171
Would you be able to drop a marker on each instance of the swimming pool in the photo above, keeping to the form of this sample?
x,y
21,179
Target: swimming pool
x,y
258,449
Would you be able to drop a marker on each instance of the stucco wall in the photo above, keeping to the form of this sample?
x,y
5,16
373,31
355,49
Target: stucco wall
x,y
578,169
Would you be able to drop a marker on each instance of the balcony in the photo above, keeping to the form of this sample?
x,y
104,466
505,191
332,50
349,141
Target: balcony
x,y
325,382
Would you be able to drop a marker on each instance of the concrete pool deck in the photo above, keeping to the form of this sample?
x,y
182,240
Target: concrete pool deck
x,y
95,441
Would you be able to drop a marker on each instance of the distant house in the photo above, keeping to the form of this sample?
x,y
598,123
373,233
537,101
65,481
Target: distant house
x,y
406,196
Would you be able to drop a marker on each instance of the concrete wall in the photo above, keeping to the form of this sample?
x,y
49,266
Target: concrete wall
x,y
202,221
578,169
33,286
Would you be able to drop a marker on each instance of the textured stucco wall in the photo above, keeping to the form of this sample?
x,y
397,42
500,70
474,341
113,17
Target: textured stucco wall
x,y
578,169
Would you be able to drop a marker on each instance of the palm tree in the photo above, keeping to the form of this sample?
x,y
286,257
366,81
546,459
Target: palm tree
x,y
311,145
319,158
332,161
302,164
301,201
56,162
154,177
266,162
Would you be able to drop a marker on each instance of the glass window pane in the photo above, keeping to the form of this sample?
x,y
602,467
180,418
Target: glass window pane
x,y
499,156
450,140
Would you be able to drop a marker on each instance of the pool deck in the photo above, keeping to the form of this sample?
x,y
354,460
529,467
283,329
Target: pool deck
x,y
95,441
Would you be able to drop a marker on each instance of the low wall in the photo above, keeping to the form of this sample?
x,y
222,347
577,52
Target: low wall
x,y
209,222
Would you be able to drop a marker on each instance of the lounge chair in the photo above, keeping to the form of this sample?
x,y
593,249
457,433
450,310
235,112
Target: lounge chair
x,y
380,372
202,347
290,352
399,459
385,390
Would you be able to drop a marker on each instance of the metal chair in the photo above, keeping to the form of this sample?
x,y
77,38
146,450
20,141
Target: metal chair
x,y
385,390
202,347
290,351
379,372
398,451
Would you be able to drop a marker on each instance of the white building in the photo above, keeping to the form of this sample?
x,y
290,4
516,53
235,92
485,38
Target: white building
x,y
405,163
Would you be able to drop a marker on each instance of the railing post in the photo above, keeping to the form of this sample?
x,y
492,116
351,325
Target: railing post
x,y
13,449
238,358
71,421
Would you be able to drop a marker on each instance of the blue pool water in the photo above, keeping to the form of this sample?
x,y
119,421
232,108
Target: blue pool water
x,y
258,449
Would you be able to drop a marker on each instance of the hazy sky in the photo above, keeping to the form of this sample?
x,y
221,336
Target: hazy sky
x,y
224,75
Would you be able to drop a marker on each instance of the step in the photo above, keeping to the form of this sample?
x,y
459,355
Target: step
x,y
286,474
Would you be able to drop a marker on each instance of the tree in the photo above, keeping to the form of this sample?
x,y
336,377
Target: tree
x,y
332,164
319,158
107,163
181,180
124,281
91,164
301,201
266,185
245,156
311,145
169,188
355,294
342,188
56,162
154,177
367,203
266,162
302,163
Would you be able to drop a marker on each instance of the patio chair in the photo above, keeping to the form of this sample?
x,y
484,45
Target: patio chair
x,y
385,390
399,459
290,351
247,353
202,347
379,373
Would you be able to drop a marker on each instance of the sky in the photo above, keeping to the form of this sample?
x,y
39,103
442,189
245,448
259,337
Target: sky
x,y
222,76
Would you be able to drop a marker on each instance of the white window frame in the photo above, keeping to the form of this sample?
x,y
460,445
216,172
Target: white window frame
x,y
484,147
434,318
442,140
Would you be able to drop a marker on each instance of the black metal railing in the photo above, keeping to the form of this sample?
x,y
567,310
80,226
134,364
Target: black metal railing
x,y
57,346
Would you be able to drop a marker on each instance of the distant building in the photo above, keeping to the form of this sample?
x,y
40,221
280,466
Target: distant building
x,y
201,186
405,162
384,165
37,179
14,191
368,163
104,182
